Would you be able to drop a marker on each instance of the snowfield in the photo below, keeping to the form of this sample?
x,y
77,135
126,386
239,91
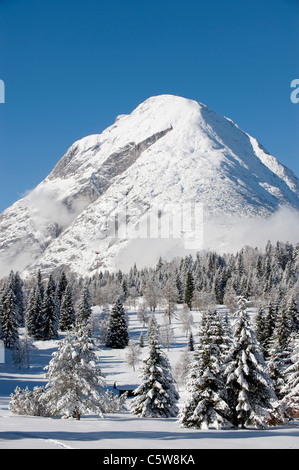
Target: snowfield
x,y
120,431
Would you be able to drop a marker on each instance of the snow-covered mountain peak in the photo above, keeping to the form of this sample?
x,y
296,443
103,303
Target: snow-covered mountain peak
x,y
169,152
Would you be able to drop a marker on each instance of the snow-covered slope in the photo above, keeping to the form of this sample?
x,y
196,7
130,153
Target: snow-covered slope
x,y
170,158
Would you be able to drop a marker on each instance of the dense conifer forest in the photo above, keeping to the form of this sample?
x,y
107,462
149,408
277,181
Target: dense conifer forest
x,y
240,368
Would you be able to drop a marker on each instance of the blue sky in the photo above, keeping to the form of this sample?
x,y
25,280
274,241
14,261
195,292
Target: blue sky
x,y
71,66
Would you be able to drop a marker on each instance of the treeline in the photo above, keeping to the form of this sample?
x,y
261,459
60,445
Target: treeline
x,y
42,306
268,278
208,277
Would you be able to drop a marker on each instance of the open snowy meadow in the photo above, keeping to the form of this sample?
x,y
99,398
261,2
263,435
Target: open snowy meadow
x,y
121,430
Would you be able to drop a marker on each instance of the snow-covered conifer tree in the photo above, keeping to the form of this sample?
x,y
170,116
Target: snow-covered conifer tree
x,y
74,382
152,328
9,317
141,340
67,316
293,313
291,388
269,325
189,290
279,351
50,320
156,397
61,287
104,323
33,314
191,342
250,389
84,309
260,331
206,404
117,335
226,339
16,284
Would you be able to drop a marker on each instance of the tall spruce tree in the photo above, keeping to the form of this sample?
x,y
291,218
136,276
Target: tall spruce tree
x,y
206,404
153,329
279,350
33,313
269,325
250,390
260,331
84,309
117,335
50,319
293,313
67,316
61,286
291,388
9,317
16,285
189,290
156,397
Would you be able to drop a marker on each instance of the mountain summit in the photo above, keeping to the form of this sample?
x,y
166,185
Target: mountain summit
x,y
156,182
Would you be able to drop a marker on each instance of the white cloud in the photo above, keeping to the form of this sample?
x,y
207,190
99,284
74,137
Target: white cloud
x,y
231,234
46,204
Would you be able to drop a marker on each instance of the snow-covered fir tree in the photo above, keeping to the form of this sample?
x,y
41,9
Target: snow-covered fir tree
x,y
206,404
33,313
16,284
141,340
156,397
249,387
292,311
67,316
291,388
9,316
279,349
191,342
269,325
259,325
104,323
75,383
50,313
189,289
84,308
62,285
153,329
117,335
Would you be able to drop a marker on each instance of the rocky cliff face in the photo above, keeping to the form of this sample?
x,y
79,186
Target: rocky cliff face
x,y
124,193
